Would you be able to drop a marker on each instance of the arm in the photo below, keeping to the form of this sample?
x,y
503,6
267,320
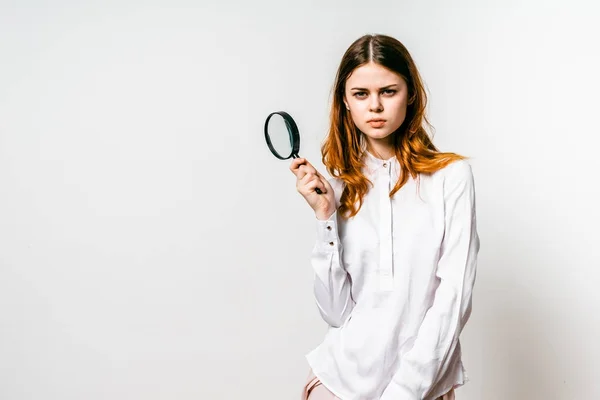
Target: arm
x,y
332,285
425,363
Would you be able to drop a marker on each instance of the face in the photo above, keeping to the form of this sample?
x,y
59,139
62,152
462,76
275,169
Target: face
x,y
377,98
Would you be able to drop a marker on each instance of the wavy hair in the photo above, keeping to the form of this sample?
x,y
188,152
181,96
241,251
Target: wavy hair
x,y
344,146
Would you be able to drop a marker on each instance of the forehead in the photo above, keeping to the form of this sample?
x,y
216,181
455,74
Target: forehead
x,y
372,75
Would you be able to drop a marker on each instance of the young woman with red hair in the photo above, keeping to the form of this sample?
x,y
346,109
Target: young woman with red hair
x,y
397,243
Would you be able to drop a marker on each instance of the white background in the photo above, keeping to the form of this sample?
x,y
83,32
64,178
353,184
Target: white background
x,y
152,248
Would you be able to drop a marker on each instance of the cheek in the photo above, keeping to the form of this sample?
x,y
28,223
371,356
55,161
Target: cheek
x,y
358,108
356,118
399,107
356,104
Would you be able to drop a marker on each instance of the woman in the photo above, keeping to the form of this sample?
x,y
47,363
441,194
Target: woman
x,y
397,243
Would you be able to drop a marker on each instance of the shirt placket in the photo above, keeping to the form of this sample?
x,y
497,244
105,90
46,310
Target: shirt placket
x,y
386,278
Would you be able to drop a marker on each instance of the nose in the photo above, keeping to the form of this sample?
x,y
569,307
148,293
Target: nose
x,y
375,104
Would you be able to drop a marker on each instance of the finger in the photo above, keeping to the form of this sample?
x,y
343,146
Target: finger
x,y
324,185
310,183
316,184
313,169
307,163
302,173
307,178
308,169
296,163
304,181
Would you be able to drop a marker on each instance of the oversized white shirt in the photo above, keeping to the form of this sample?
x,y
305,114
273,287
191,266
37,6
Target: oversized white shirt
x,y
394,283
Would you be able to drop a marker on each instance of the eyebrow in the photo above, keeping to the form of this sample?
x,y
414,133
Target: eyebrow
x,y
385,87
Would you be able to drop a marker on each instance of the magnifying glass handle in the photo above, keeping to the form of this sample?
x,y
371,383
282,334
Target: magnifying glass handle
x,y
316,189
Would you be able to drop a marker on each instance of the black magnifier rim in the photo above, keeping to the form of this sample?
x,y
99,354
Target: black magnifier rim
x,y
292,130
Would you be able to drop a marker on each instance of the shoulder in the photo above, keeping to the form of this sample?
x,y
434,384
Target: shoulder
x,y
456,172
458,182
456,177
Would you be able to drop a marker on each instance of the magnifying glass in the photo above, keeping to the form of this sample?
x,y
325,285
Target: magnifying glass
x,y
282,136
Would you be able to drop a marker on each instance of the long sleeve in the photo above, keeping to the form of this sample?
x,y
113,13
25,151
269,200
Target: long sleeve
x,y
422,366
332,284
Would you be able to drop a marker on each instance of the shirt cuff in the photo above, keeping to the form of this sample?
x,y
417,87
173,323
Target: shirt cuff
x,y
327,234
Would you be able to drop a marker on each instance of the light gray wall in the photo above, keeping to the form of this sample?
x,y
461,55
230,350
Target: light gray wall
x,y
152,248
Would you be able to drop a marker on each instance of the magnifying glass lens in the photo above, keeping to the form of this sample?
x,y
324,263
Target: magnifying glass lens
x,y
281,140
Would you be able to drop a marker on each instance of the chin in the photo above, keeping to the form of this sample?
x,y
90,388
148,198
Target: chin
x,y
377,134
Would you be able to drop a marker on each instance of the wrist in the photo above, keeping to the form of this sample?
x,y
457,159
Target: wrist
x,y
324,215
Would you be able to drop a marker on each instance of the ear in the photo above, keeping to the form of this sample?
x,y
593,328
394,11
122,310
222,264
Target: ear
x,y
346,103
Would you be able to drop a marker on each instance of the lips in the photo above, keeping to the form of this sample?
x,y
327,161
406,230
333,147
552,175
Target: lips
x,y
376,123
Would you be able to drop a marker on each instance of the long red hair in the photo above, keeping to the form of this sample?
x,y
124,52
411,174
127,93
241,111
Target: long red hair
x,y
344,146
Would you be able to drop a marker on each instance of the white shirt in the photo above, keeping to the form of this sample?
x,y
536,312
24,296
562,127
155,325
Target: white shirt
x,y
394,283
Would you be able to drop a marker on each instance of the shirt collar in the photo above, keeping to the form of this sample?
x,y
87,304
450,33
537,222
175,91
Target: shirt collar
x,y
375,163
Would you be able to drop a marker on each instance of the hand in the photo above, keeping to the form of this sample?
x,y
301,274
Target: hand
x,y
308,179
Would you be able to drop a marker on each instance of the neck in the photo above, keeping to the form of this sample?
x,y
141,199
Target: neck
x,y
382,149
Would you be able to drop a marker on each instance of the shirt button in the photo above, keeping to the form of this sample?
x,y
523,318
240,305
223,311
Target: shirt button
x,y
328,228
385,164
331,243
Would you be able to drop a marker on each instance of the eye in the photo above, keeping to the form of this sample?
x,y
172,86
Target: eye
x,y
360,95
390,92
